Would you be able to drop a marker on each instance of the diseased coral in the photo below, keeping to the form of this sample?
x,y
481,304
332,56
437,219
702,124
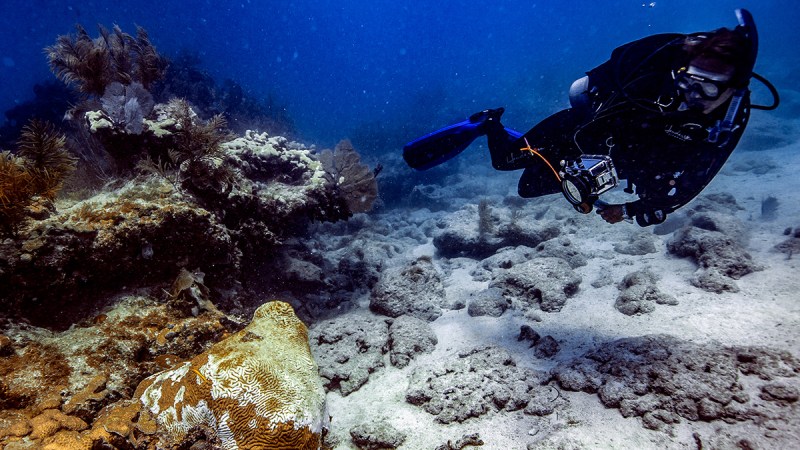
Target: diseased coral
x,y
259,388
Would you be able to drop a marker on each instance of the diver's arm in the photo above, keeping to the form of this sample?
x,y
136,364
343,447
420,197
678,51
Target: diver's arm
x,y
665,193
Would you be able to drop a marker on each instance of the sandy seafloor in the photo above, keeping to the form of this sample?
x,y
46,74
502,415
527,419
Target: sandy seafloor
x,y
766,312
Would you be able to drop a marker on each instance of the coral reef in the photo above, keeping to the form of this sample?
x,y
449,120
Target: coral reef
x,y
259,388
141,236
218,201
57,384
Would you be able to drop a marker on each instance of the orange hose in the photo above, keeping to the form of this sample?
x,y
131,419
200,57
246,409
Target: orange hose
x,y
535,151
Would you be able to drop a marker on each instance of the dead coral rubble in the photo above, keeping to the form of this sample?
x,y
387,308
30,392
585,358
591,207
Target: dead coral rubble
x,y
477,382
665,380
348,349
639,292
716,243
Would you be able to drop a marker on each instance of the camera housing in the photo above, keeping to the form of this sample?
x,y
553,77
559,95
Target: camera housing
x,y
585,178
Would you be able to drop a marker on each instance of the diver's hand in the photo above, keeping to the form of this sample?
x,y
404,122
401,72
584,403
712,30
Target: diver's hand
x,y
612,213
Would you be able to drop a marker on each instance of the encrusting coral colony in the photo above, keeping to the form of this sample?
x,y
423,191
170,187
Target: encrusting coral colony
x,y
103,286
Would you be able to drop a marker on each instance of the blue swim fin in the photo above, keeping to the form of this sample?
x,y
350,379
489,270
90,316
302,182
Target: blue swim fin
x,y
441,145
446,143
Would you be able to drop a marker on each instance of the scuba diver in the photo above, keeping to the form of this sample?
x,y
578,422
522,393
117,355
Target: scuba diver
x,y
663,113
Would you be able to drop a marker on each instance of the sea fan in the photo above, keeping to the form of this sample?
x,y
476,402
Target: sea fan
x,y
354,182
127,106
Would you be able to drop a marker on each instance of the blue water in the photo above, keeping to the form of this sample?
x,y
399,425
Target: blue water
x,y
356,67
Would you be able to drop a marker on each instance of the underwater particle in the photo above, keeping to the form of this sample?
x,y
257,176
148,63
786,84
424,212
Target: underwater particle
x,y
147,250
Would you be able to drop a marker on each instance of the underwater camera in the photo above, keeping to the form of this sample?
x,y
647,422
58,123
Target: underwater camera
x,y
585,178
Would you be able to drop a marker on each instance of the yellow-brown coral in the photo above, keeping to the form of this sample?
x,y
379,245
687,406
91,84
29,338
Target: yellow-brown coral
x,y
259,388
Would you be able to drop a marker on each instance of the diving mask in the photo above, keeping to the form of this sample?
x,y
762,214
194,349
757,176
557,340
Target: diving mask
x,y
697,82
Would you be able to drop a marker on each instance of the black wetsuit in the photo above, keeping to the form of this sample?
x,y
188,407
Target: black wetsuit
x,y
634,117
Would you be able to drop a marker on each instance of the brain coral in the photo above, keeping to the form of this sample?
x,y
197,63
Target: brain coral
x,y
259,388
